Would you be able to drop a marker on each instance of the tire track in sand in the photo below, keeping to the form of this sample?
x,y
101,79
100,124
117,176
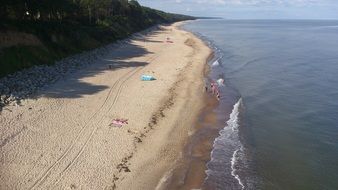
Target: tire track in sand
x,y
80,134
76,142
93,132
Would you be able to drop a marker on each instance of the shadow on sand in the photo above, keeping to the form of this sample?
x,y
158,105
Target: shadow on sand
x,y
74,87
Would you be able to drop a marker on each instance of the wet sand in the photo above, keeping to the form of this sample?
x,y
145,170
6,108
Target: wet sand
x,y
189,172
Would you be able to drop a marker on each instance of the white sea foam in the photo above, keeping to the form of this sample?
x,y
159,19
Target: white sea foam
x,y
233,121
227,141
234,161
216,63
220,82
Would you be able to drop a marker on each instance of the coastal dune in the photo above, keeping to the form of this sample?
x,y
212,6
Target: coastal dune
x,y
62,138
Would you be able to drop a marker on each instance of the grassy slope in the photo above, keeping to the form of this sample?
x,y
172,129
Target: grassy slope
x,y
63,39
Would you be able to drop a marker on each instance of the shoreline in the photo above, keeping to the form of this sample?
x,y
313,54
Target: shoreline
x,y
190,171
166,161
62,138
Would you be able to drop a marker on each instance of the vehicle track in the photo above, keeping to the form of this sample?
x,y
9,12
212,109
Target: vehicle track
x,y
93,132
77,137
118,85
82,130
120,44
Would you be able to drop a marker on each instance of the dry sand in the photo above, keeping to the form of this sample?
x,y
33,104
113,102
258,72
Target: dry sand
x,y
62,139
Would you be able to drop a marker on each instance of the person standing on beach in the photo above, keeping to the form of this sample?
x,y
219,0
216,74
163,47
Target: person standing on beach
x,y
218,96
213,88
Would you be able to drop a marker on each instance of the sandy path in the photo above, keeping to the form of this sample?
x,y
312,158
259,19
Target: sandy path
x,y
62,139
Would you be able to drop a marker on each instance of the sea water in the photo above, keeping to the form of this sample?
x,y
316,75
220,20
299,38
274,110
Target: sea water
x,y
281,83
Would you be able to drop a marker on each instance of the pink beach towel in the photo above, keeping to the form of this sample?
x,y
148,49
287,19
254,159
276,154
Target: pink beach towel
x,y
119,122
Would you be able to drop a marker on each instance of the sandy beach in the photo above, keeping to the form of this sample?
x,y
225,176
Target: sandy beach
x,y
62,139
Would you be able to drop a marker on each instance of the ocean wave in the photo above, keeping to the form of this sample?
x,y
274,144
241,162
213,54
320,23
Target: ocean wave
x,y
234,124
233,121
234,161
226,154
215,63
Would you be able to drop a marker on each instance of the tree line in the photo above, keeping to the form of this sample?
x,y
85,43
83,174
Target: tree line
x,y
66,27
81,11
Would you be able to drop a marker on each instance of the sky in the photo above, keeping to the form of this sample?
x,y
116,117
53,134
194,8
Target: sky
x,y
250,9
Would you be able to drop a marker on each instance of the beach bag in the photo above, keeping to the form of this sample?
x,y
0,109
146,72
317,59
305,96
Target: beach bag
x,y
147,78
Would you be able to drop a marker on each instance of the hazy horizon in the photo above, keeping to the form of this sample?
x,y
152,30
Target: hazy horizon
x,y
250,9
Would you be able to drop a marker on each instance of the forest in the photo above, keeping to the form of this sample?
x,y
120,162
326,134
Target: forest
x,y
41,31
104,12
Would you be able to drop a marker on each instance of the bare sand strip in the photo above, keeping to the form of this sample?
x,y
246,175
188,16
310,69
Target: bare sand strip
x,y
62,139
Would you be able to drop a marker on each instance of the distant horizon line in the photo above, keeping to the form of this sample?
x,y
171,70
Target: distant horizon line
x,y
222,18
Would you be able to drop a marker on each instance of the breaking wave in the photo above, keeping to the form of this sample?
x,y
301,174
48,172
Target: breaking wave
x,y
225,156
